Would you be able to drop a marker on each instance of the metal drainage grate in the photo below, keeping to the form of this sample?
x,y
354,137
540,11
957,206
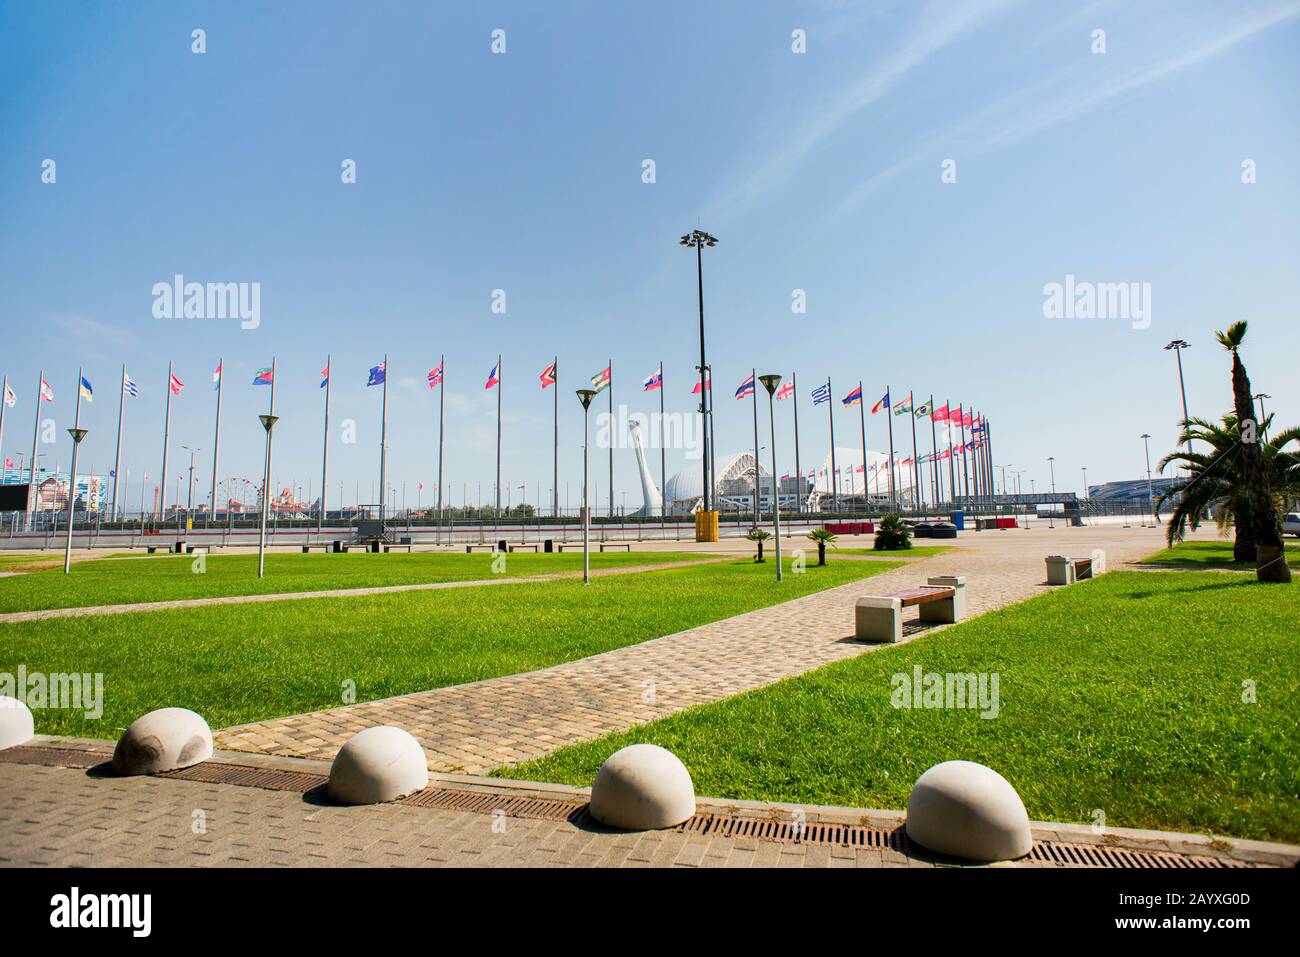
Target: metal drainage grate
x,y
712,825
52,757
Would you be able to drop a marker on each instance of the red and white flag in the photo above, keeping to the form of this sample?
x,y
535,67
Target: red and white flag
x,y
708,384
941,414
47,394
176,385
786,390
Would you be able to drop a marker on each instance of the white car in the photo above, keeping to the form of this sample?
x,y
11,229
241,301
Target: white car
x,y
1291,524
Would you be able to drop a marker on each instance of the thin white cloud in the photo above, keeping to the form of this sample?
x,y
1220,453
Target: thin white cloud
x,y
938,26
1059,100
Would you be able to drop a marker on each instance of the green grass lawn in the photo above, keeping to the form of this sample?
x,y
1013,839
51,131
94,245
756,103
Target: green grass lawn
x,y
1122,694
239,663
11,562
1211,555
126,581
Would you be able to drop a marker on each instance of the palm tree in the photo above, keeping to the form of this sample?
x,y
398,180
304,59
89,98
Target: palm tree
x,y
758,535
1215,481
1270,558
822,537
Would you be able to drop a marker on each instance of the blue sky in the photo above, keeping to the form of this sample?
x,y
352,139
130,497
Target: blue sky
x,y
522,171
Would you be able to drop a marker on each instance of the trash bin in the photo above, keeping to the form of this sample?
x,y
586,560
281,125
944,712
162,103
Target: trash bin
x,y
548,545
1060,570
503,546
959,520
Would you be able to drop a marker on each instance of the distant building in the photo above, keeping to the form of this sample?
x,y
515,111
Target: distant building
x,y
1131,491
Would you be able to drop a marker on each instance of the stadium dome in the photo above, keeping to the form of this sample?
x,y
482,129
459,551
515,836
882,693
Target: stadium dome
x,y
686,487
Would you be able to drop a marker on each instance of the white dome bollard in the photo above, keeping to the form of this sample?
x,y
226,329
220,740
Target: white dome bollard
x,y
642,787
376,765
163,740
967,810
16,724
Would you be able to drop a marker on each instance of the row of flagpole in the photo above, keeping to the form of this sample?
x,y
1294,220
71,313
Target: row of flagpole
x,y
976,455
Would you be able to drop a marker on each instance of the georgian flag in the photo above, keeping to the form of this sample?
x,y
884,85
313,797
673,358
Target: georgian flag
x,y
786,391
10,396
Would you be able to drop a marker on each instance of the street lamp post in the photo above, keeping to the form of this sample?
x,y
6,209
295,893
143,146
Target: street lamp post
x,y
697,239
1051,471
1260,399
1146,445
268,423
1177,346
77,435
585,396
189,504
770,382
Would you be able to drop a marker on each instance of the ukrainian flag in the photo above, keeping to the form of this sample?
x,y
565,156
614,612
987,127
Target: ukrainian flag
x,y
87,392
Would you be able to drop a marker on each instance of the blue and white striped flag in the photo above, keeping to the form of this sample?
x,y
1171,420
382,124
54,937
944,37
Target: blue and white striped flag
x,y
128,385
821,394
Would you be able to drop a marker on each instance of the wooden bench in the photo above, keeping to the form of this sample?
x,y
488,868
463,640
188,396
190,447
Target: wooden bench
x,y
155,549
880,617
364,546
626,546
470,548
1063,570
197,549
323,546
532,545
389,548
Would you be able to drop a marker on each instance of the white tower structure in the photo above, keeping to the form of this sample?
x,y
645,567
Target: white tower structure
x,y
652,503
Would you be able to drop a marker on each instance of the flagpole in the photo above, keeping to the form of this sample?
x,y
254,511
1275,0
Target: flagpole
x,y
611,443
794,384
72,475
442,403
216,438
383,444
36,432
753,374
496,511
117,459
271,411
965,461
325,444
934,453
916,466
862,424
663,453
167,427
555,481
835,475
952,466
889,414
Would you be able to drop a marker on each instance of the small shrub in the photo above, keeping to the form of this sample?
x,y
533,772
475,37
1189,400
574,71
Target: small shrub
x,y
892,534
758,535
823,538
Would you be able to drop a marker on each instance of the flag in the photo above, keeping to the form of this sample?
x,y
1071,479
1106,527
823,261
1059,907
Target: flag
x,y
654,380
263,376
786,390
87,391
129,386
821,394
9,463
325,376
10,396
435,376
708,384
903,406
884,401
376,375
493,377
746,388
548,375
175,385
941,414
922,410
216,376
601,379
853,398
46,392
966,419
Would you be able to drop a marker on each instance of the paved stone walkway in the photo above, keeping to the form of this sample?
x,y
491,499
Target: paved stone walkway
x,y
13,617
473,728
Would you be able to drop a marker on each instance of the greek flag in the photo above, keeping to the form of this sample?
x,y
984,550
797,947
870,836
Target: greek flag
x,y
821,394
128,385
